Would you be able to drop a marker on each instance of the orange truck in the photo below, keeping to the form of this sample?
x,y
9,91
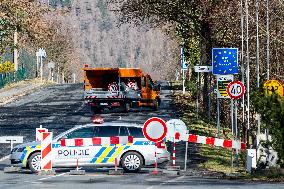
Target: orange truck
x,y
119,87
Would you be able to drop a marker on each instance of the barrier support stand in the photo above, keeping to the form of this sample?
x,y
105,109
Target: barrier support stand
x,y
155,171
77,171
116,171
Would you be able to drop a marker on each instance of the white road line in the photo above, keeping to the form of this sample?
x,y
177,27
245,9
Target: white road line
x,y
52,176
32,182
168,181
4,158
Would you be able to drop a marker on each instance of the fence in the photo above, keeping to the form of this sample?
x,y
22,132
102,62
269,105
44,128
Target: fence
x,y
7,78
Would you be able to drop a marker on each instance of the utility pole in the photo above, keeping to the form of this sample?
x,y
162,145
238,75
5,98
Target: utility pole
x,y
257,61
16,64
257,45
247,71
267,33
243,66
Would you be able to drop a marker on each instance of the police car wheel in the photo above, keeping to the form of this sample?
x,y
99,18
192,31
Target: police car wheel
x,y
34,162
132,162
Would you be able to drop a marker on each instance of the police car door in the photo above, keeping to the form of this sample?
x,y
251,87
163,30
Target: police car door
x,y
67,155
106,153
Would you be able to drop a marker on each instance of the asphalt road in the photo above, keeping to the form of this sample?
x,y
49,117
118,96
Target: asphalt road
x,y
60,107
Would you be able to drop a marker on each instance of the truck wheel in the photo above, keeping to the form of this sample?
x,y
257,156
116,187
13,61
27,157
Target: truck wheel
x,y
132,162
34,162
155,104
126,107
96,110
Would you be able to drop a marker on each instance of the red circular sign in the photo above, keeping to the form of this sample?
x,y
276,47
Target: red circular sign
x,y
155,129
235,89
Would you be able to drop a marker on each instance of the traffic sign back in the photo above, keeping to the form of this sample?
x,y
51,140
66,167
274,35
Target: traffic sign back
x,y
176,127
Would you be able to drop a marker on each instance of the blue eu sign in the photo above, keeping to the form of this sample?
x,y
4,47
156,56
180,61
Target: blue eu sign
x,y
224,61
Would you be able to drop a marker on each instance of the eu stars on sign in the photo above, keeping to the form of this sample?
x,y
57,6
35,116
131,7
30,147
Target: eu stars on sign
x,y
225,61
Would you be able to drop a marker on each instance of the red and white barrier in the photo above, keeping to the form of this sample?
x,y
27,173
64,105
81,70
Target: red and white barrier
x,y
39,132
132,85
46,151
215,141
97,141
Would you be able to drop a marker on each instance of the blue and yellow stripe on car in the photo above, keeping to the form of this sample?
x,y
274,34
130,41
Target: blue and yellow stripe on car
x,y
107,154
28,150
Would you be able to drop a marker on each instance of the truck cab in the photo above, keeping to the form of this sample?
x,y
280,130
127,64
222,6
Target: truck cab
x,y
119,87
150,93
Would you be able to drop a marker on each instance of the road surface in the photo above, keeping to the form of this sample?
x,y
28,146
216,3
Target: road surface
x,y
60,107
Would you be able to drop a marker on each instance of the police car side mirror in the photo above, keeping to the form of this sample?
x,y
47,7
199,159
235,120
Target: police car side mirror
x,y
157,87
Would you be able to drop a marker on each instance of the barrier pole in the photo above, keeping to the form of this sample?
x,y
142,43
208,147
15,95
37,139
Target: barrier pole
x,y
115,160
174,154
174,147
232,128
77,165
185,156
156,164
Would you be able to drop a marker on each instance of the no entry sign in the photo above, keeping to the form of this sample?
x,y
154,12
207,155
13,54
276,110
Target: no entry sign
x,y
155,129
236,89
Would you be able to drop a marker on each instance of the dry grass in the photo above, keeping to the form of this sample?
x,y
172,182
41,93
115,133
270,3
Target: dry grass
x,y
217,159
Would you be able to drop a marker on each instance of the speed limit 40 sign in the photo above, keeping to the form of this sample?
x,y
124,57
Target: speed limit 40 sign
x,y
236,89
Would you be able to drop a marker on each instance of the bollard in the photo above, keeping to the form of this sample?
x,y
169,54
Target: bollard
x,y
46,154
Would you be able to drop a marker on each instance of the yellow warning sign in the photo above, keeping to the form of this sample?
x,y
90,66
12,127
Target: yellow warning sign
x,y
273,86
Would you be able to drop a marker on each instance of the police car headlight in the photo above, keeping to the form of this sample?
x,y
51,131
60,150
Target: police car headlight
x,y
21,149
14,150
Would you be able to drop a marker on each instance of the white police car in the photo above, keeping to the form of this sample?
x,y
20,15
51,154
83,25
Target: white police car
x,y
131,156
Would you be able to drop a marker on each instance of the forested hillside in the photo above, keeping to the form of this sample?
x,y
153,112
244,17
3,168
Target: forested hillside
x,y
100,42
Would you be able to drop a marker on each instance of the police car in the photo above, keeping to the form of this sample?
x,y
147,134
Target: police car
x,y
131,156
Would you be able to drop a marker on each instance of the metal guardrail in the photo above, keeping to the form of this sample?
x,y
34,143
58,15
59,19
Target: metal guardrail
x,y
7,78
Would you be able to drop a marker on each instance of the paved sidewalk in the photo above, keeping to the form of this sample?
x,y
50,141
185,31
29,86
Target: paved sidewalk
x,y
15,90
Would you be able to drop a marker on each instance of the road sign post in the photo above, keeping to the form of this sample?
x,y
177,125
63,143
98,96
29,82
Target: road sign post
x,y
41,54
235,90
201,69
184,67
176,132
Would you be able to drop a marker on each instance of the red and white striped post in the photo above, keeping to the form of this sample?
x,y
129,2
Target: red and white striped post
x,y
46,151
115,140
156,163
39,132
77,164
174,155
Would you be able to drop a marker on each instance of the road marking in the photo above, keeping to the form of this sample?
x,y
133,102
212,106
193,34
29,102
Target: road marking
x,y
4,158
45,178
33,182
168,181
